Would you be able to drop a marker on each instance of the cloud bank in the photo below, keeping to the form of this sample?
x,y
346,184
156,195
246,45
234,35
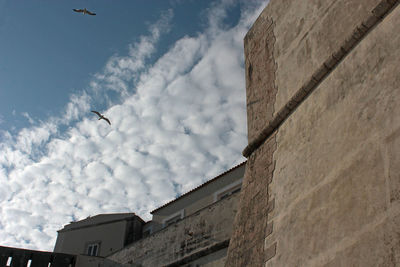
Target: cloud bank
x,y
178,123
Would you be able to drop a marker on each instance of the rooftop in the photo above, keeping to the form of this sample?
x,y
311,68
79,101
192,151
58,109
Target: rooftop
x,y
100,219
198,187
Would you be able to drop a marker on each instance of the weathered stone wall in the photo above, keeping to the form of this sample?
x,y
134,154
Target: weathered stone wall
x,y
197,236
260,75
92,261
198,198
327,159
247,242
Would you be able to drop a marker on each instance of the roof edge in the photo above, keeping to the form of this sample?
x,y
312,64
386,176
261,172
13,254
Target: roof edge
x,y
200,186
127,218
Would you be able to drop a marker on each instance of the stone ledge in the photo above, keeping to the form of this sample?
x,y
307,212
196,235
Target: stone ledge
x,y
377,14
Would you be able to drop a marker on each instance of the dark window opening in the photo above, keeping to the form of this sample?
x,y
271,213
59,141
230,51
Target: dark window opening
x,y
93,249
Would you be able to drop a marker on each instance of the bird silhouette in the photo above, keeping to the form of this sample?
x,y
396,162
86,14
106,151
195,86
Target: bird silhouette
x,y
84,11
101,116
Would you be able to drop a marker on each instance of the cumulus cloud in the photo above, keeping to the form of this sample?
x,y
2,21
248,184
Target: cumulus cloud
x,y
180,121
121,71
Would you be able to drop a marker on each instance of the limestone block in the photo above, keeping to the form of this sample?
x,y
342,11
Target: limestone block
x,y
251,226
307,33
379,246
260,76
336,180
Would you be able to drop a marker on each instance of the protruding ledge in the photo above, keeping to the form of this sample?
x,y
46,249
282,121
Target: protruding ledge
x,y
377,14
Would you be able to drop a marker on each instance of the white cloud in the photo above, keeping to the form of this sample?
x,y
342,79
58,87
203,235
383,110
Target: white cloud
x,y
181,121
28,117
121,70
78,104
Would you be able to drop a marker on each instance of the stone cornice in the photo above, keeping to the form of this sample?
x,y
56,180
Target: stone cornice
x,y
377,14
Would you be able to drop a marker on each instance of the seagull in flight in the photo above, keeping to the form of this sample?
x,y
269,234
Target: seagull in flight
x,y
101,116
84,11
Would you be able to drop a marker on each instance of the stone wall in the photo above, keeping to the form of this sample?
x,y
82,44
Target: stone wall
x,y
251,227
327,158
92,261
247,242
198,237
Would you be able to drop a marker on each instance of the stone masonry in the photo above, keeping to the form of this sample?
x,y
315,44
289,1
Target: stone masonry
x,y
198,235
251,219
321,186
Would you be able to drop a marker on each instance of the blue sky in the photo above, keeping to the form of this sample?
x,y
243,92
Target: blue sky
x,y
168,74
48,52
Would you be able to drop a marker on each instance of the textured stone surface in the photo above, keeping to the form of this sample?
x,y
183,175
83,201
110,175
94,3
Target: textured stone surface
x,y
260,75
307,33
333,195
90,261
384,235
247,242
368,21
208,227
336,184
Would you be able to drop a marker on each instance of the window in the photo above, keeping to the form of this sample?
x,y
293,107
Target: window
x,y
93,249
173,218
228,190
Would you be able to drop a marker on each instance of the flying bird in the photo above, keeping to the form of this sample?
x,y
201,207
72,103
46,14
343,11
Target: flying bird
x,y
84,11
101,116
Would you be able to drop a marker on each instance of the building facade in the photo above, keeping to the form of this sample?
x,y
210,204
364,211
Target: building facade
x,y
322,178
198,198
100,235
321,186
192,230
